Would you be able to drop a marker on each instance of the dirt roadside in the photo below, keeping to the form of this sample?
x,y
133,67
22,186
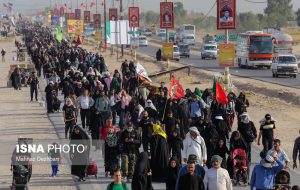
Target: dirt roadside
x,y
281,102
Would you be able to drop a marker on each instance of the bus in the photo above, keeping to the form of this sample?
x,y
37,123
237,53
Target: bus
x,y
185,30
255,49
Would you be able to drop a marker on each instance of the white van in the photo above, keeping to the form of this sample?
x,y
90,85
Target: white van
x,y
209,51
285,64
189,39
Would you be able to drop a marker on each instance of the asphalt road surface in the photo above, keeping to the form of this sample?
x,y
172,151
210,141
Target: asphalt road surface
x,y
213,65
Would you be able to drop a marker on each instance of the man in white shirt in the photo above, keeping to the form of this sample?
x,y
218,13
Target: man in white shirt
x,y
217,178
194,144
281,155
85,102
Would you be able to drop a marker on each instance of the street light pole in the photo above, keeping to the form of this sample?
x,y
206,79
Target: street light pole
x,y
121,18
226,71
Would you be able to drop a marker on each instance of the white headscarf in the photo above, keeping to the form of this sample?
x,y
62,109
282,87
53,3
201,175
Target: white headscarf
x,y
150,105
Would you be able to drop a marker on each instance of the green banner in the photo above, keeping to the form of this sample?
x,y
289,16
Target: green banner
x,y
108,30
221,38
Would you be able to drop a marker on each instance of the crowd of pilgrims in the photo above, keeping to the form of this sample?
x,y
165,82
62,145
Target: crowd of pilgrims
x,y
125,117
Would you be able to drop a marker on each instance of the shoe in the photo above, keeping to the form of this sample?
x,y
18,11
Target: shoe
x,y
83,179
79,179
36,99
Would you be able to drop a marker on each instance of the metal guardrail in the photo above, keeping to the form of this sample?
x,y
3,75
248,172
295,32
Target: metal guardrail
x,y
171,72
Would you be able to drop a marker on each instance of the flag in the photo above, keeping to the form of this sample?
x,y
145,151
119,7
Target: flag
x,y
220,94
176,90
83,5
141,71
214,86
58,35
10,4
92,4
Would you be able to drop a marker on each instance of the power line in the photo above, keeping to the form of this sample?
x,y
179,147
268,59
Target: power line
x,y
250,1
208,13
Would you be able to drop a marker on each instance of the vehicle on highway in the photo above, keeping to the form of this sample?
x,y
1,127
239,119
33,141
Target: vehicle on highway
x,y
189,39
208,39
148,32
153,29
209,51
184,50
143,41
285,64
176,53
255,49
184,30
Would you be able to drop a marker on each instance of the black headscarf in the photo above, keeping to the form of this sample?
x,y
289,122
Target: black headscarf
x,y
172,174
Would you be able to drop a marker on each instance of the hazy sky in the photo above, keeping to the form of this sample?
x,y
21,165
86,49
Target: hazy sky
x,y
195,5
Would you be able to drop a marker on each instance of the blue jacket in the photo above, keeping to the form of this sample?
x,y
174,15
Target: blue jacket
x,y
199,170
264,178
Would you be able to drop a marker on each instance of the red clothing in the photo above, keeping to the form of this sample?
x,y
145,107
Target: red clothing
x,y
104,131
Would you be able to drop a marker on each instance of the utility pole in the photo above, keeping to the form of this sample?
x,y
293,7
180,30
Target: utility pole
x,y
121,18
105,37
226,71
96,6
167,40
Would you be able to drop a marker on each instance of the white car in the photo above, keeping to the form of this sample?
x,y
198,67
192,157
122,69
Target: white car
x,y
148,32
285,64
176,53
143,41
209,51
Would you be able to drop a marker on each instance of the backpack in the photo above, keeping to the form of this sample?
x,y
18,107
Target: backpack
x,y
249,135
111,186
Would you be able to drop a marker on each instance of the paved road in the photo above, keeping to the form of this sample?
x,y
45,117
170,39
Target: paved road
x,y
212,65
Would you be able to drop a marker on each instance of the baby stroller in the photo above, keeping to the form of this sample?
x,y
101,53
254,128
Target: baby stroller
x,y
283,180
239,166
56,101
21,176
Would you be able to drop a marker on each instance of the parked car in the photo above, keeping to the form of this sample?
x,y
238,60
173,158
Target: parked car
x,y
184,50
209,51
143,41
285,64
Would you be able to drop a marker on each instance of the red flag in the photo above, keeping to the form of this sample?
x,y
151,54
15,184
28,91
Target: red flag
x,y
220,94
83,5
92,4
176,90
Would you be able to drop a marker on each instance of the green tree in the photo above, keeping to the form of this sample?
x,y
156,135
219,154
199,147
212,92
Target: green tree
x,y
247,21
179,13
150,17
279,12
298,17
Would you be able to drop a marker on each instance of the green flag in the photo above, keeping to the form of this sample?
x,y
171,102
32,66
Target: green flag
x,y
214,85
58,35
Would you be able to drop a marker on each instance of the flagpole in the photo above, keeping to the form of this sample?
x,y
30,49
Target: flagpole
x,y
96,6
